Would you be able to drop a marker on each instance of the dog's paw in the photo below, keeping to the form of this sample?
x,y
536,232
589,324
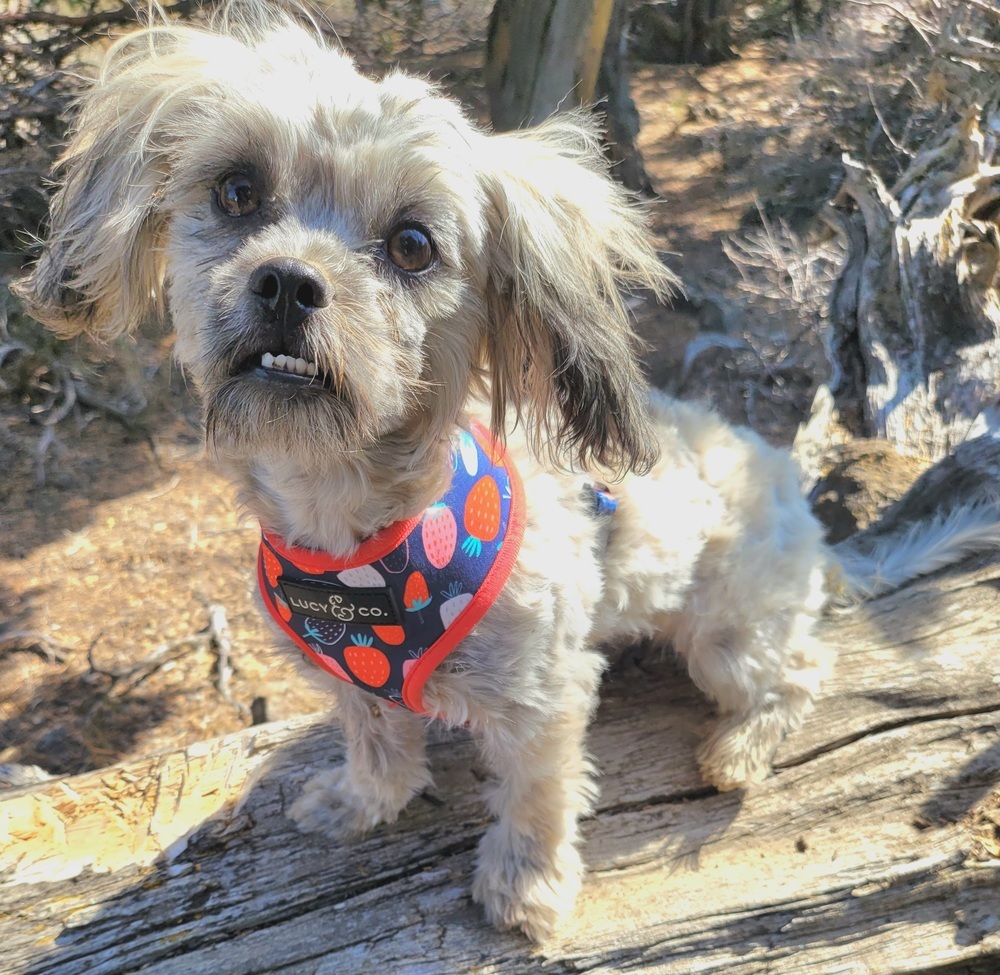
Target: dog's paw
x,y
332,804
516,891
728,760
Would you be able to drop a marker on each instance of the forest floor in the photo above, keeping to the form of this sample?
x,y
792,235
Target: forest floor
x,y
116,536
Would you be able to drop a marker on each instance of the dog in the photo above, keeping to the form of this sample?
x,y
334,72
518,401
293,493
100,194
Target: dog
x,y
376,299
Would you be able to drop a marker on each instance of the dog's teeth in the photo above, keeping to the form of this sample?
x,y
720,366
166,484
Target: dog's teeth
x,y
295,365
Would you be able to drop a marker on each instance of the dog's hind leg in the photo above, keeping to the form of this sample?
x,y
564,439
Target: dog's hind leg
x,y
386,766
764,686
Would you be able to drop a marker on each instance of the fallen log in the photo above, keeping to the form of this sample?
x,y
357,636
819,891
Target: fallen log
x,y
872,849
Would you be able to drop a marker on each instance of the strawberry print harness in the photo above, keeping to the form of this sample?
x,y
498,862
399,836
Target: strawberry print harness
x,y
388,615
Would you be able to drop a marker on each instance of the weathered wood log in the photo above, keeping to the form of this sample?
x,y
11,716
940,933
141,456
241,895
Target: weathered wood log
x,y
916,311
859,855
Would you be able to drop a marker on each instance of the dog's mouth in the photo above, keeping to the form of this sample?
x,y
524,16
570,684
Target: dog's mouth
x,y
268,395
287,370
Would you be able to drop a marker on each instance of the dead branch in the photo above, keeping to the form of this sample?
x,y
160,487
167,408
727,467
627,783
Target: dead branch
x,y
214,637
34,641
218,630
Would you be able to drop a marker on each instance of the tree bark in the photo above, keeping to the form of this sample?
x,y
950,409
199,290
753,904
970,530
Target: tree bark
x,y
542,57
559,54
872,850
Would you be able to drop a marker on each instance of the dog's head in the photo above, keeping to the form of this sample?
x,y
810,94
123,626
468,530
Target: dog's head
x,y
344,259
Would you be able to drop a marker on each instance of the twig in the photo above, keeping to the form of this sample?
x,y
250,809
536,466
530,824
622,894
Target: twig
x,y
49,415
135,673
215,636
34,641
45,441
218,629
91,399
898,146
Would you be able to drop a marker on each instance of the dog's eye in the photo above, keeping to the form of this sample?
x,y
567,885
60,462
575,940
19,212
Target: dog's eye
x,y
237,195
409,247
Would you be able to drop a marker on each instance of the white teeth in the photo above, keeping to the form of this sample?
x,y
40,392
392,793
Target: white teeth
x,y
287,363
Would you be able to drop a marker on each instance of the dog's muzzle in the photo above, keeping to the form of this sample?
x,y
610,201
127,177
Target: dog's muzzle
x,y
285,293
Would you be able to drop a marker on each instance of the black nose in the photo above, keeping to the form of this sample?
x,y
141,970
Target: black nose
x,y
289,291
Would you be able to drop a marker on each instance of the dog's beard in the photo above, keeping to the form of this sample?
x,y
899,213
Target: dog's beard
x,y
247,415
342,398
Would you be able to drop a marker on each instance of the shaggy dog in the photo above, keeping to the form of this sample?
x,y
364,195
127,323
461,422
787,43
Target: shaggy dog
x,y
363,284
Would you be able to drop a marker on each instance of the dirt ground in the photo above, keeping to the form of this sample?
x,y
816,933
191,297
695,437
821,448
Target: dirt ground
x,y
116,537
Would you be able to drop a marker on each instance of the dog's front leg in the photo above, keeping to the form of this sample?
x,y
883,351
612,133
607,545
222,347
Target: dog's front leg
x,y
529,869
386,766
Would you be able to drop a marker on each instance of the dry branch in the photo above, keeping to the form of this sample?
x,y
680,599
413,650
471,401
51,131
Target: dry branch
x,y
915,311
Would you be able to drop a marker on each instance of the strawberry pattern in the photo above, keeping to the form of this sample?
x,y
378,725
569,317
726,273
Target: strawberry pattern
x,y
386,623
482,515
439,533
371,666
398,559
416,595
326,632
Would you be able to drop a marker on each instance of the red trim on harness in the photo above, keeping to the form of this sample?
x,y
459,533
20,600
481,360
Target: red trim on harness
x,y
483,598
370,550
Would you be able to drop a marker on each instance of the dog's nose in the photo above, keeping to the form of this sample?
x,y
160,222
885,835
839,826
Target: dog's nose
x,y
290,290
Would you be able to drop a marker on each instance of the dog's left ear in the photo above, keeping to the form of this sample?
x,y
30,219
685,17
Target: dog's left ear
x,y
566,241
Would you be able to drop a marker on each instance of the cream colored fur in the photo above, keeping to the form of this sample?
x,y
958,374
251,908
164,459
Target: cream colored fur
x,y
519,320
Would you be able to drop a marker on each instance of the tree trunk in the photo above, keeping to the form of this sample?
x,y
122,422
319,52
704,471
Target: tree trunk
x,y
872,850
543,57
615,95
686,32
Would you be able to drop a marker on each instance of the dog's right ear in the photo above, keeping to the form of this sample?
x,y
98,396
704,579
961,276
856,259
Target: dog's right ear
x,y
100,271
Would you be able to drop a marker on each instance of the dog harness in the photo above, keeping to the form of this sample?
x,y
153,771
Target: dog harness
x,y
386,617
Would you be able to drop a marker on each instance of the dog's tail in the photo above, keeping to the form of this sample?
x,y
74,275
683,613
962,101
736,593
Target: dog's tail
x,y
876,562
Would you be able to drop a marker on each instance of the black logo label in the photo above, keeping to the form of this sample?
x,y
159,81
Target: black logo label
x,y
367,607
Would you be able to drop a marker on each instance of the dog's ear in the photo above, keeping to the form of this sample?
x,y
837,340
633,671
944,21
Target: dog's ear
x,y
100,271
566,242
